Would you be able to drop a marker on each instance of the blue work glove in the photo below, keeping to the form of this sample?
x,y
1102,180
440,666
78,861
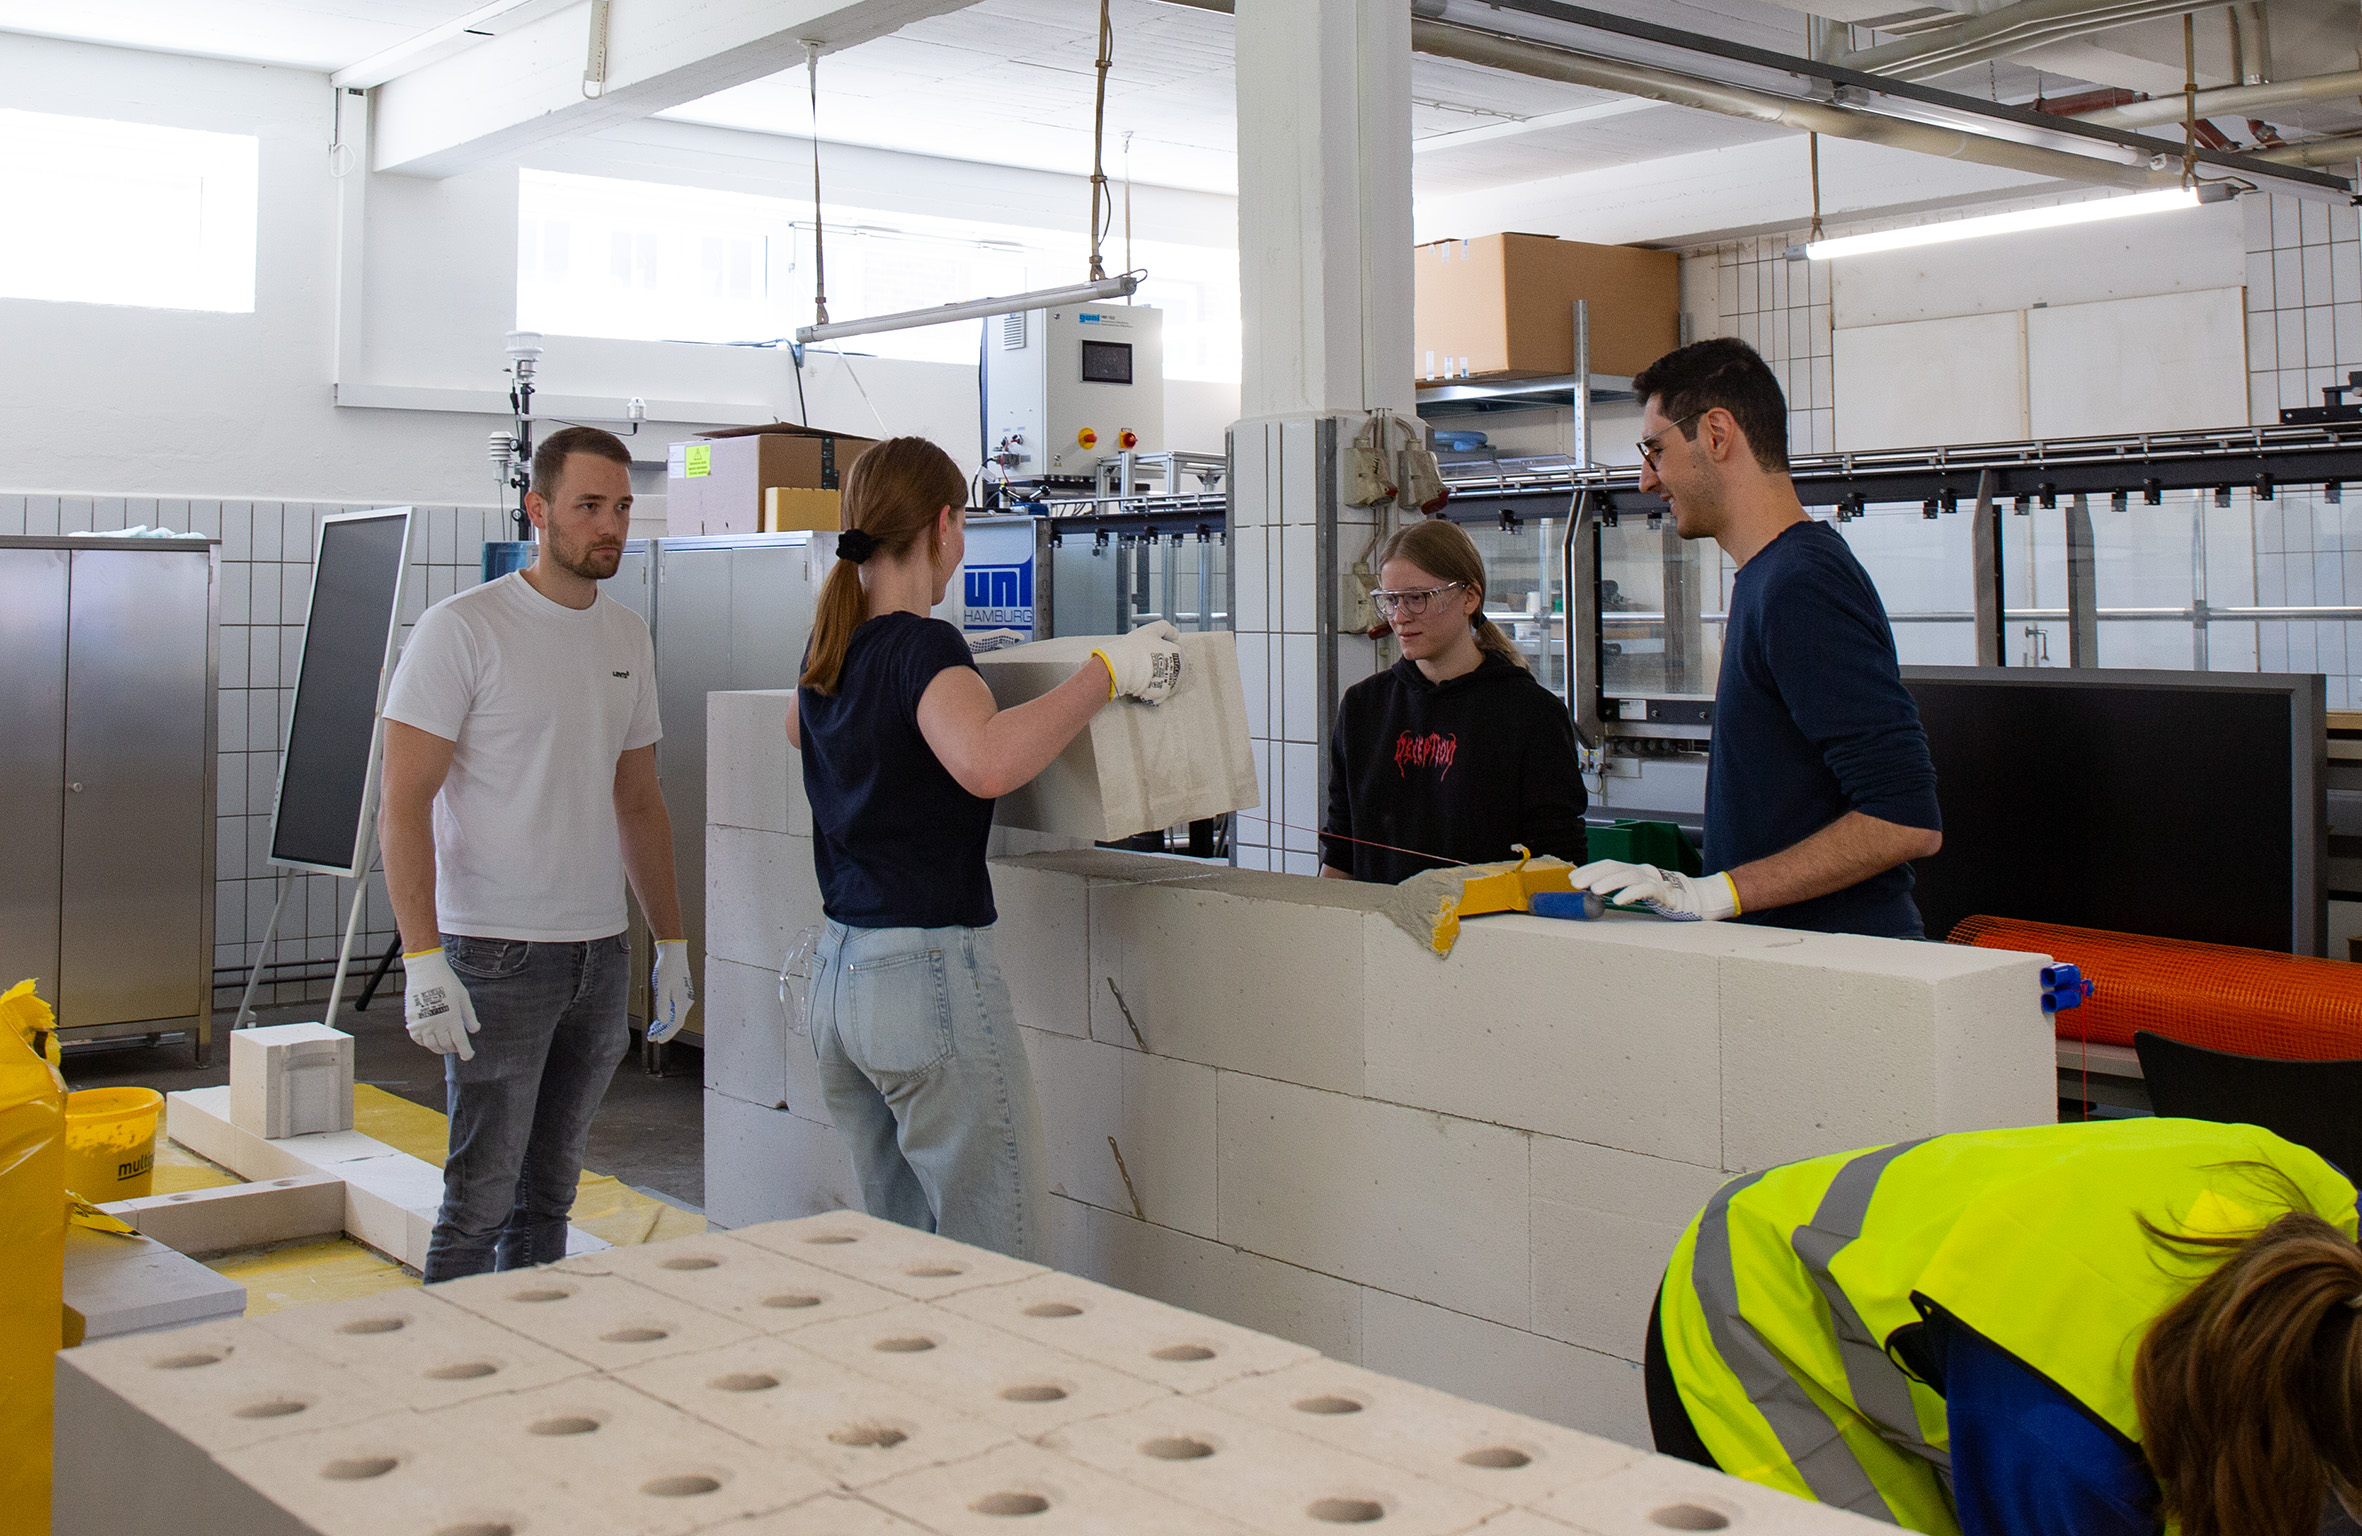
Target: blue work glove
x,y
671,994
1684,898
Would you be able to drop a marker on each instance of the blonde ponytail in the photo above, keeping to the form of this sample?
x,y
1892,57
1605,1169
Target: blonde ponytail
x,y
1444,549
893,493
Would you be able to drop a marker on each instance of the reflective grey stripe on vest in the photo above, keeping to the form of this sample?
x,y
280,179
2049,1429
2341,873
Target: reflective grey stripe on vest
x,y
1880,1389
1809,1437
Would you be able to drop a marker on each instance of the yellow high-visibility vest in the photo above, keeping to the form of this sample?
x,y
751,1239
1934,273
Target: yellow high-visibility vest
x,y
1785,1295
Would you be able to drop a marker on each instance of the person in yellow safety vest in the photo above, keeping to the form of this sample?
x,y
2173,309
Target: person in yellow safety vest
x,y
2094,1328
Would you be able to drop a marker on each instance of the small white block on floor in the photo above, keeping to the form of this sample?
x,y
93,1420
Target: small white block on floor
x,y
1659,1493
1176,1349
1055,1495
901,1259
601,1320
291,1080
1013,1382
423,1352
120,1284
199,1119
230,1216
1138,766
856,1429
1262,1477
767,1292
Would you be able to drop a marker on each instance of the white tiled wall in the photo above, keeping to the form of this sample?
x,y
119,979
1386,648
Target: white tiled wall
x,y
2304,301
1781,309
266,582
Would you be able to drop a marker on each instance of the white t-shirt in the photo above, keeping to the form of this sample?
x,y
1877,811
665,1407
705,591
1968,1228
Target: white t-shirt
x,y
540,700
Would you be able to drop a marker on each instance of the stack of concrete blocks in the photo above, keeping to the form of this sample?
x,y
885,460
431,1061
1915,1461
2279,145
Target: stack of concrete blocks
x,y
291,1080
833,1376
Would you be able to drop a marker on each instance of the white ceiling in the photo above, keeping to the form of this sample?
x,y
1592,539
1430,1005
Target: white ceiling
x,y
325,35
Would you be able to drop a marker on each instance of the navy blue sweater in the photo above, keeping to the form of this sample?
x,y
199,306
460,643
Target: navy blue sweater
x,y
1811,721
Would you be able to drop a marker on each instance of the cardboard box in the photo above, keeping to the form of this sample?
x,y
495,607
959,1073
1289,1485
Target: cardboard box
x,y
1502,307
717,482
786,508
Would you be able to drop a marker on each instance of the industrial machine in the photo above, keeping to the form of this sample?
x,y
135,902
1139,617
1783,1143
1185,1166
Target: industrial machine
x,y
1068,388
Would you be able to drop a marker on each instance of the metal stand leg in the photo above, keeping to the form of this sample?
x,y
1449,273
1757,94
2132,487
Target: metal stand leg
x,y
385,963
344,951
245,1015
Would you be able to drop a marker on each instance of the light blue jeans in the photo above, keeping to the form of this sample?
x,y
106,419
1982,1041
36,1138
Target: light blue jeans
x,y
926,1080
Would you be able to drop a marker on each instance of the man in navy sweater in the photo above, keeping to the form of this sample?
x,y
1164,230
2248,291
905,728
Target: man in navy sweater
x,y
1819,789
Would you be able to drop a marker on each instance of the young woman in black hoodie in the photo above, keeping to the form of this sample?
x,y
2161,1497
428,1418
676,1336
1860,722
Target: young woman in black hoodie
x,y
1456,753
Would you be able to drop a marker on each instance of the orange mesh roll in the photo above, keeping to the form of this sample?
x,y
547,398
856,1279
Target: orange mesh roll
x,y
2252,1002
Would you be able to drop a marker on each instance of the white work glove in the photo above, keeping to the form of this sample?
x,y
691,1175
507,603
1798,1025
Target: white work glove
x,y
670,992
1684,898
1145,664
435,1007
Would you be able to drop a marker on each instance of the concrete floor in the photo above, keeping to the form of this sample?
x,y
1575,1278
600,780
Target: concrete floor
x,y
650,1131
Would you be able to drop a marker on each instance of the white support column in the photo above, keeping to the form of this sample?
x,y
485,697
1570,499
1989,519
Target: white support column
x,y
1325,273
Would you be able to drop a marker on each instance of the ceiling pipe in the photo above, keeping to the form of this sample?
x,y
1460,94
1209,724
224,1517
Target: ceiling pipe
x,y
2230,100
2321,152
1997,34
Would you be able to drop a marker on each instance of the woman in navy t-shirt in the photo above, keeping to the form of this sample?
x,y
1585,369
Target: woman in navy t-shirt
x,y
904,752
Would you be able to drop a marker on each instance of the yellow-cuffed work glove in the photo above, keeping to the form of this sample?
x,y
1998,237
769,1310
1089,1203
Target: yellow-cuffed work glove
x,y
1683,898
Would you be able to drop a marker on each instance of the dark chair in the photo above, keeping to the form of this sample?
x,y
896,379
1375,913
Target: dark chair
x,y
2316,1104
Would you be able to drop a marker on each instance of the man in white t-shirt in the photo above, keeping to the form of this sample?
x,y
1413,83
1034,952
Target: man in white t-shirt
x,y
520,791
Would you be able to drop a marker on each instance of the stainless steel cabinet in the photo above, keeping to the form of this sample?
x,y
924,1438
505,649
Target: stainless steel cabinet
x,y
108,664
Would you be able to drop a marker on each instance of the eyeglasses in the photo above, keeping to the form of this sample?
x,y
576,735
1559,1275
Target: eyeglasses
x,y
1410,603
1649,446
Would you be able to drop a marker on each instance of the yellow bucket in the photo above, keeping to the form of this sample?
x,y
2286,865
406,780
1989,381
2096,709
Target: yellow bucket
x,y
111,1142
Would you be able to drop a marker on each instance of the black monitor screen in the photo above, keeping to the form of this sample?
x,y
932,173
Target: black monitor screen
x,y
324,779
1107,362
2124,801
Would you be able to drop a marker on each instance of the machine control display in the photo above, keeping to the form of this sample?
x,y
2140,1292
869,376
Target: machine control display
x,y
1107,362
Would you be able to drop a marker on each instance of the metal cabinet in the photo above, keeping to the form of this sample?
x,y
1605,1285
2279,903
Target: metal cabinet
x,y
108,664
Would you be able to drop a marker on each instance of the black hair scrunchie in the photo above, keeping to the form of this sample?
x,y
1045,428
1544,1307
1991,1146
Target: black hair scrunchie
x,y
855,545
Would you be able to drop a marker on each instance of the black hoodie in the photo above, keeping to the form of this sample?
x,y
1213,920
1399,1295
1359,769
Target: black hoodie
x,y
1457,771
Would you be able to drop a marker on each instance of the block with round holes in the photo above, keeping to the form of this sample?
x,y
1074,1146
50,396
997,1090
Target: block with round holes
x,y
855,1428
1263,1477
999,1377
909,1263
1025,1488
768,1292
219,1385
602,1320
832,1514
419,1350
1482,1450
1659,1494
1145,1338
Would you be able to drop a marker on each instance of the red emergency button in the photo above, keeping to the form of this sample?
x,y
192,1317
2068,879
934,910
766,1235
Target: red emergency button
x,y
1087,438
1127,439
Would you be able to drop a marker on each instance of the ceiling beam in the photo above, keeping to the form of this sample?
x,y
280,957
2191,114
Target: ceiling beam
x,y
1999,33
453,36
525,88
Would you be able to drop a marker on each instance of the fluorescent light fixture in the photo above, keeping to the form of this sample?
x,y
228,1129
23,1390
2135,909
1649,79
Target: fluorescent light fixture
x,y
975,309
2059,216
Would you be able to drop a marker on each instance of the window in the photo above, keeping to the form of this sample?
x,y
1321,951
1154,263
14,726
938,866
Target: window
x,y
126,213
687,264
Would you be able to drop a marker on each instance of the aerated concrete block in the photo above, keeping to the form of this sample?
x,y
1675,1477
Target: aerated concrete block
x,y
1605,1032
766,1292
1603,1223
1262,1476
1837,1041
852,1428
1137,767
291,1080
752,1052
913,1264
1597,1393
1659,1493
601,1320
1180,1350
199,1119
1491,1452
1001,1378
1421,1204
1042,940
1099,1100
753,778
829,1515
198,1221
117,1284
420,1350
1056,1496
215,1386
770,1164
760,891
1318,1311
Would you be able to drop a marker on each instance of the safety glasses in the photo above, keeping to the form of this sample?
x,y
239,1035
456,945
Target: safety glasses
x,y
1411,602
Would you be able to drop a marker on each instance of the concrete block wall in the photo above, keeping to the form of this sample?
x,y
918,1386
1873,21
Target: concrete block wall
x,y
1468,1171
830,1376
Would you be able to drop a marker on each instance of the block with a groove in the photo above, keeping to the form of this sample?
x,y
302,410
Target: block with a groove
x,y
1138,766
908,1262
601,1320
650,1467
196,1221
1180,1350
1445,1439
1264,1477
215,1385
1055,1495
291,1080
1659,1493
999,1377
765,1291
421,1351
856,1429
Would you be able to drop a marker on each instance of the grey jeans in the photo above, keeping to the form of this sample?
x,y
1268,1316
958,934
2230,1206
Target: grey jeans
x,y
926,1079
553,1029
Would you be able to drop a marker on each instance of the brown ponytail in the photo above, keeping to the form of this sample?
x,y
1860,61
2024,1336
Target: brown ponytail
x,y
893,493
2250,1387
1442,548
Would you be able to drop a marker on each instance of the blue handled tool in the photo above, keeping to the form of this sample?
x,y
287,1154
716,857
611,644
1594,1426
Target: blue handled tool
x,y
1582,905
